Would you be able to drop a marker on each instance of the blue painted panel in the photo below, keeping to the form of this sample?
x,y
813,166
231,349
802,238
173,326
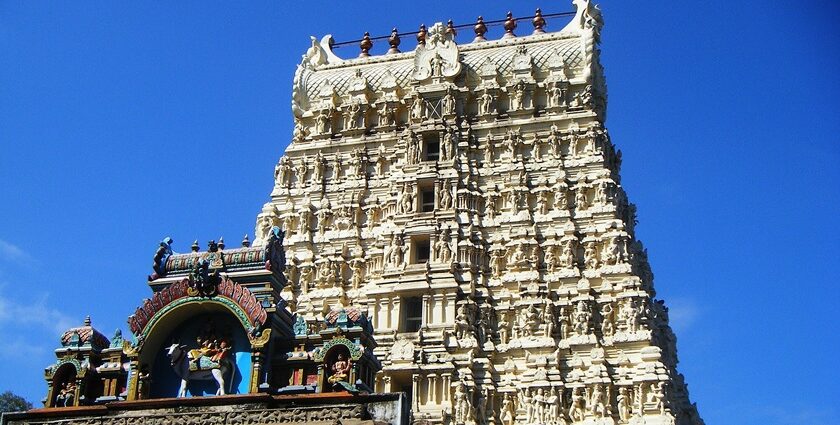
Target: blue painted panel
x,y
165,382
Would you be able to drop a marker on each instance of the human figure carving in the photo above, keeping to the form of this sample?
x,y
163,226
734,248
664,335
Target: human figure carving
x,y
578,405
340,369
582,318
485,103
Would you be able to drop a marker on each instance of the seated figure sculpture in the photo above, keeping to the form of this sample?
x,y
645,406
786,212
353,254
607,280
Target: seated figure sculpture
x,y
340,369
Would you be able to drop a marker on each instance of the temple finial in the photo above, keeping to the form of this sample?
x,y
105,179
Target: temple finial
x,y
421,35
87,320
539,22
510,25
480,29
221,242
394,42
245,241
365,45
194,246
450,28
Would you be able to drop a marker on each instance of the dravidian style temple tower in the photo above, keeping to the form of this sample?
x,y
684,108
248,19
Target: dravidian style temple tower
x,y
447,223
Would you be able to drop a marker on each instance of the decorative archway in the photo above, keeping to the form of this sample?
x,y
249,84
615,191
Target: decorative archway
x,y
173,311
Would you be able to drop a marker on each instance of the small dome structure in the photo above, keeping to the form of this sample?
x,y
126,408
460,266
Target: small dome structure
x,y
84,336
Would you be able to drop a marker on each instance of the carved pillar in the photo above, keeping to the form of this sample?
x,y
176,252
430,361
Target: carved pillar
x,y
256,369
394,323
415,392
431,398
386,387
133,380
427,310
446,389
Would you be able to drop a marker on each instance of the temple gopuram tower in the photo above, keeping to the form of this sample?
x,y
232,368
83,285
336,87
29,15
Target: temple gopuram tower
x,y
465,194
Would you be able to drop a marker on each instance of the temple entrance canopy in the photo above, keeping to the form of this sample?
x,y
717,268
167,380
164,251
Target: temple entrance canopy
x,y
212,334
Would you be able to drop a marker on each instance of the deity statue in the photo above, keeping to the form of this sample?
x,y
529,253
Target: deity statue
x,y
580,198
319,169
508,412
444,196
412,146
498,262
357,266
283,172
518,259
517,98
447,147
326,275
463,406
386,115
582,318
590,255
557,95
340,369
418,108
624,404
568,257
462,323
485,103
503,328
548,319
305,278
565,324
550,259
381,161
447,103
554,141
395,251
322,123
599,402
542,202
406,200
578,404
298,133
607,325
443,249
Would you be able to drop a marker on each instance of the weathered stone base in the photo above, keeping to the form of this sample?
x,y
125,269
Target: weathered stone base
x,y
251,409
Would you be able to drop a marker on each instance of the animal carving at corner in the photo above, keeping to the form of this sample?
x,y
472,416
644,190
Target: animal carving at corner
x,y
196,365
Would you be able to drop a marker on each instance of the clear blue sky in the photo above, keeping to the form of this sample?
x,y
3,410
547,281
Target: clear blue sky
x,y
124,122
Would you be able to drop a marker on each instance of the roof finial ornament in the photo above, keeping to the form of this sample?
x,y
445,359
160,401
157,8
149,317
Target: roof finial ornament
x,y
87,320
480,29
510,25
194,246
221,242
366,44
450,29
245,241
539,22
421,35
212,246
394,41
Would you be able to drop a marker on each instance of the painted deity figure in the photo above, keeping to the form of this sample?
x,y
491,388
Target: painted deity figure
x,y
340,369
